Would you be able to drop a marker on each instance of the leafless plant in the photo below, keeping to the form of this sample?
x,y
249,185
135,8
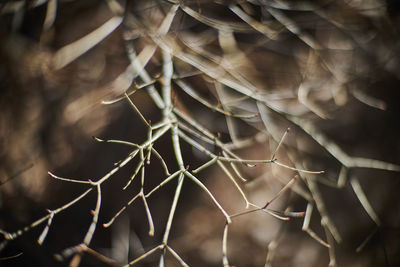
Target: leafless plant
x,y
215,66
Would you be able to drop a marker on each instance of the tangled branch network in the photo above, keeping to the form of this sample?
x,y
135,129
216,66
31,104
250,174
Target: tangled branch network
x,y
210,59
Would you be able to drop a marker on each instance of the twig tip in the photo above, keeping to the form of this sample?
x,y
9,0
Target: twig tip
x,y
95,138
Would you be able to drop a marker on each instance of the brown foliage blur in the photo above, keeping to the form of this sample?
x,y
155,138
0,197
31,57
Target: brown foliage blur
x,y
334,64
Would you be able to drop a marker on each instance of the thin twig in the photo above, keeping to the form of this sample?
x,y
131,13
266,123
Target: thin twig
x,y
177,257
145,255
225,261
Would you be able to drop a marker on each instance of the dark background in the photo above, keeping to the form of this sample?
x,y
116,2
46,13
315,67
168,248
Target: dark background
x,y
48,118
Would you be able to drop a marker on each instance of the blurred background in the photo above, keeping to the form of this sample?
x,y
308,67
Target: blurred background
x,y
332,63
